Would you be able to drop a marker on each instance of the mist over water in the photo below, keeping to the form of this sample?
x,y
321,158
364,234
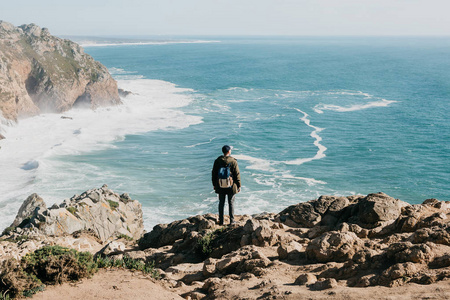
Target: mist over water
x,y
306,117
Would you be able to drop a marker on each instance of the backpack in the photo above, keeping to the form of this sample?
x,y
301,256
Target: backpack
x,y
225,178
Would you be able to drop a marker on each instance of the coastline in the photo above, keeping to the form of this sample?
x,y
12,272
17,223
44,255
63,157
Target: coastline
x,y
345,247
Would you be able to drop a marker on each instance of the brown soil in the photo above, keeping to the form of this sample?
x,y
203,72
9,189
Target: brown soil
x,y
123,284
109,284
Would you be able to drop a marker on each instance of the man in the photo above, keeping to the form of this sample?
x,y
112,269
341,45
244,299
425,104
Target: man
x,y
226,180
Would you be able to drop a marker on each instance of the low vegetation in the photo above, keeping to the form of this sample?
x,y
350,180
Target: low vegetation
x,y
204,244
113,204
55,265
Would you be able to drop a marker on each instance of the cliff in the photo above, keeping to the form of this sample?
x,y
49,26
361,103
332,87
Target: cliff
x,y
327,246
43,73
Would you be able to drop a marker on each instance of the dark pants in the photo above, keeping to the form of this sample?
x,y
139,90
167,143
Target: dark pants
x,y
230,206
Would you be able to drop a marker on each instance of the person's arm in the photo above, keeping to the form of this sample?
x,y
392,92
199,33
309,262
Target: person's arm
x,y
214,177
237,176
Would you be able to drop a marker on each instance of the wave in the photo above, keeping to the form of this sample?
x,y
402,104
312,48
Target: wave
x,y
319,108
106,44
317,139
30,155
309,181
257,163
199,144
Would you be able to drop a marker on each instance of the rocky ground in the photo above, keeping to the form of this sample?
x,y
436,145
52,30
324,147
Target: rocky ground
x,y
341,247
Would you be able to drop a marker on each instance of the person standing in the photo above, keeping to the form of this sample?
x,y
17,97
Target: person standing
x,y
226,181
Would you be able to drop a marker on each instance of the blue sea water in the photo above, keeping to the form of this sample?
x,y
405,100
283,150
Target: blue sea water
x,y
307,116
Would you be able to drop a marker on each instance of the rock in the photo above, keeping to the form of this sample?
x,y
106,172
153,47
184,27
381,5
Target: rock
x,y
193,295
113,248
365,281
334,246
123,93
41,72
264,235
209,267
377,208
291,251
303,214
106,217
251,225
436,235
407,252
211,285
440,262
324,284
246,259
306,279
401,271
167,234
28,208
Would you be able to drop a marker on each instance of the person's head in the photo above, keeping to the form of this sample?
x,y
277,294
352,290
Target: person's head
x,y
227,150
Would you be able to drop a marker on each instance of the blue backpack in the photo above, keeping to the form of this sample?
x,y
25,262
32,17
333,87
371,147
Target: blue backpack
x,y
225,178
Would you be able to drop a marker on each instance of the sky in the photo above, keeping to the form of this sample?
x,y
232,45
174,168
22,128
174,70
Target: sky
x,y
232,17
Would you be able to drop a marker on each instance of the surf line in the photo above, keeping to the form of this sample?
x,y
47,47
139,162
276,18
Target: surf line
x,y
314,134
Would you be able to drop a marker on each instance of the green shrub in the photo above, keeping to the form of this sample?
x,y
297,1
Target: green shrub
x,y
114,205
124,236
204,244
4,297
15,281
72,210
128,263
56,264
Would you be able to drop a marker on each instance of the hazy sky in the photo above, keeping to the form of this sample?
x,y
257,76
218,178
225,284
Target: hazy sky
x,y
232,17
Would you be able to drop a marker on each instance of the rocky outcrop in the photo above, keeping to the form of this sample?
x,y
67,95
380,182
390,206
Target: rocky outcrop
x,y
43,73
101,211
330,242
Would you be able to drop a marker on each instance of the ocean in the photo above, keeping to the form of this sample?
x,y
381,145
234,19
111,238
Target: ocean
x,y
307,116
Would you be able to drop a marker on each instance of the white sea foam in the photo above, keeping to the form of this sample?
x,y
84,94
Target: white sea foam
x,y
257,163
199,144
317,139
309,181
107,44
27,154
319,108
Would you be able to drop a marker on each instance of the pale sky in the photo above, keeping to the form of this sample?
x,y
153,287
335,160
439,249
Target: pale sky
x,y
232,17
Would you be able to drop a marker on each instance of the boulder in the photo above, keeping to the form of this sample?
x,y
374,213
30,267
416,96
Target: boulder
x,y
302,214
167,234
306,279
246,259
334,246
113,247
100,210
398,274
324,284
376,208
28,208
407,252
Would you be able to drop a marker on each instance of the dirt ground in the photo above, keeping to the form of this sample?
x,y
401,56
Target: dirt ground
x,y
123,284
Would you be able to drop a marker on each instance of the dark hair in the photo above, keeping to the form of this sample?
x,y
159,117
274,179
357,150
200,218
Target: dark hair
x,y
226,149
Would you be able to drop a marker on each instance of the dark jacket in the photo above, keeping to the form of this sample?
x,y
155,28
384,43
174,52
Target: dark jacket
x,y
223,161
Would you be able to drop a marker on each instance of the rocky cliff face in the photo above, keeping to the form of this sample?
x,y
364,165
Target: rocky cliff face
x,y
42,73
101,211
